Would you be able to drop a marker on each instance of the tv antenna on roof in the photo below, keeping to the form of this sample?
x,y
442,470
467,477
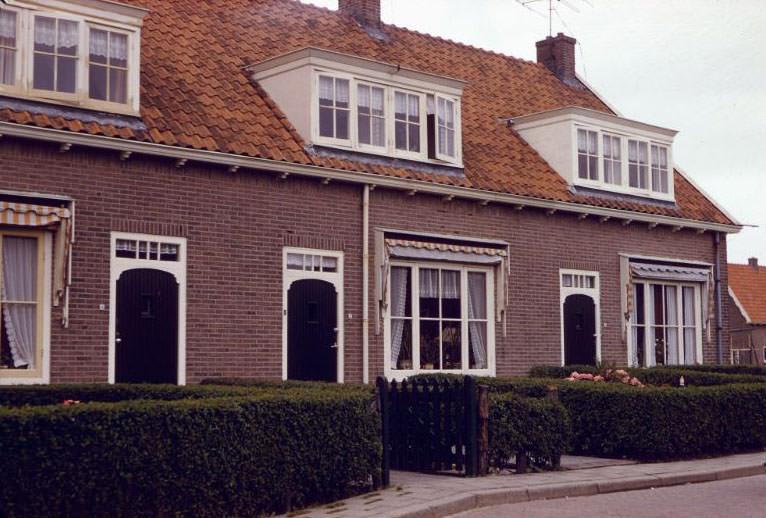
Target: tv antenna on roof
x,y
552,8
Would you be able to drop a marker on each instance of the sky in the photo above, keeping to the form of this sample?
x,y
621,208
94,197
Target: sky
x,y
696,66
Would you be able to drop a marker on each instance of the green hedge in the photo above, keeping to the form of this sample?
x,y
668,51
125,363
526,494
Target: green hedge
x,y
215,457
756,370
36,395
536,427
664,423
529,387
657,375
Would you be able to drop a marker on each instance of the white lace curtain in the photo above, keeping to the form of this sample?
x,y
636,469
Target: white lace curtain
x,y
7,27
671,320
429,284
690,335
7,39
67,36
19,288
477,309
399,281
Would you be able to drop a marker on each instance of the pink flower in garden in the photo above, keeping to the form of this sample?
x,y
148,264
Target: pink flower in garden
x,y
68,402
598,378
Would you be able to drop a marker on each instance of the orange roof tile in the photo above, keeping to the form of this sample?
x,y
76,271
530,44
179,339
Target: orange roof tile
x,y
749,286
195,94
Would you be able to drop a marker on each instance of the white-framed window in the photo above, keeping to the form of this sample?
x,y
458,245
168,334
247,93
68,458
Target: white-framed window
x,y
666,327
360,114
69,58
9,46
407,122
445,128
311,262
659,168
439,318
638,164
371,115
334,108
24,308
612,159
151,250
587,154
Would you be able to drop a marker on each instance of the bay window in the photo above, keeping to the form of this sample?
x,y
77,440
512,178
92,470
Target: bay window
x,y
8,46
21,304
446,127
665,326
439,319
70,59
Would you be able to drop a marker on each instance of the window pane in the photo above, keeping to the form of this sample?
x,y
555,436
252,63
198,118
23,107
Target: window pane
x,y
414,137
477,345
68,38
401,344
118,85
690,346
377,102
451,345
592,142
97,82
429,293
429,344
566,280
364,128
325,122
19,336
638,304
593,167
450,293
688,309
118,50
341,93
400,106
45,34
341,124
477,295
7,66
582,166
19,265
125,248
294,261
633,175
582,141
7,28
329,264
400,135
43,71
168,252
325,91
378,131
401,286
363,98
98,46
66,79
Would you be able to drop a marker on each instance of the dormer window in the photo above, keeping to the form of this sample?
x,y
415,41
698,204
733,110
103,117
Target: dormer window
x,y
597,150
354,104
87,57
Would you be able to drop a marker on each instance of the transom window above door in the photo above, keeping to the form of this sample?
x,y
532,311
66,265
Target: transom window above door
x,y
440,319
312,262
147,250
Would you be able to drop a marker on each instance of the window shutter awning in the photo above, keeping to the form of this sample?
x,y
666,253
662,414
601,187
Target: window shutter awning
x,y
669,272
450,252
31,215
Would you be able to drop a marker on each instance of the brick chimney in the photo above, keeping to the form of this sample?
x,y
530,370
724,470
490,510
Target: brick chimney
x,y
365,12
753,262
557,53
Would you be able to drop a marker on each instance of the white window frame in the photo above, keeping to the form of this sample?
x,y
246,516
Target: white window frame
x,y
624,185
355,113
24,86
17,85
658,166
456,118
335,278
698,320
599,157
353,144
399,374
604,158
40,375
594,293
118,265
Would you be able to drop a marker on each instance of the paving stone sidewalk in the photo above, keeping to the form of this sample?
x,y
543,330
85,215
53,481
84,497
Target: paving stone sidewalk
x,y
416,495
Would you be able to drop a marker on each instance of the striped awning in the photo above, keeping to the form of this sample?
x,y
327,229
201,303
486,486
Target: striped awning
x,y
453,252
31,215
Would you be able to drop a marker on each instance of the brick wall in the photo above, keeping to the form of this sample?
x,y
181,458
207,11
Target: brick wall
x,y
237,224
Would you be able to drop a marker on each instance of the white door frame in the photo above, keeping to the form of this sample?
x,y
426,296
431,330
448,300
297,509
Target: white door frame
x,y
118,265
335,278
593,293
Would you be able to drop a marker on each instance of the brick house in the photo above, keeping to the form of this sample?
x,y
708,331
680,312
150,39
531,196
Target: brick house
x,y
747,312
277,190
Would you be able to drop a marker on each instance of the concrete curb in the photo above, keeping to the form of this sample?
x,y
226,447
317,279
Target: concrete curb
x,y
485,498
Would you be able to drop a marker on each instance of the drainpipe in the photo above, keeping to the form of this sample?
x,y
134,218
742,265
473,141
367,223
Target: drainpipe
x,y
718,312
365,284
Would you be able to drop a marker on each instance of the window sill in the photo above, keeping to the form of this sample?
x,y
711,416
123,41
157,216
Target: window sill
x,y
70,101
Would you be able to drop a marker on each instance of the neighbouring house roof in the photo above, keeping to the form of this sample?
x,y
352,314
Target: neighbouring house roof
x,y
195,94
748,285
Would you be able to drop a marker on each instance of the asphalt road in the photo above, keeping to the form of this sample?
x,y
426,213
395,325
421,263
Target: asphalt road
x,y
737,498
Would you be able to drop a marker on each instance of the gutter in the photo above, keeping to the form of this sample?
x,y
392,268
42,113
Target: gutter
x,y
366,284
234,162
718,311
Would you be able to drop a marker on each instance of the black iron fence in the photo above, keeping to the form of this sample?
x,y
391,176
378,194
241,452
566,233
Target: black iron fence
x,y
434,425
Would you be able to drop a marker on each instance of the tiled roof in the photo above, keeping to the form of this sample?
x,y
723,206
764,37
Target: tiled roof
x,y
195,94
749,286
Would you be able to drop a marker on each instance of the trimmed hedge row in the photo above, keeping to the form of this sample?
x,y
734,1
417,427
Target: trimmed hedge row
x,y
536,427
656,375
664,423
36,395
225,456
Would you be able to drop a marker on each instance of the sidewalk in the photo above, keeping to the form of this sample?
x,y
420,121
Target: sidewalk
x,y
416,495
